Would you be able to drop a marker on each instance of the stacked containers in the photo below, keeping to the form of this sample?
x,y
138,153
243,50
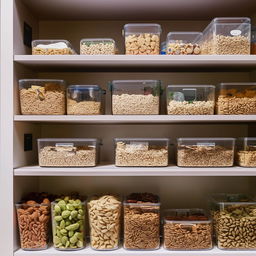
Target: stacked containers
x,y
246,152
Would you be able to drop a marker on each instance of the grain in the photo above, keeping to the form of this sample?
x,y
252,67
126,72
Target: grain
x,y
94,48
246,158
83,107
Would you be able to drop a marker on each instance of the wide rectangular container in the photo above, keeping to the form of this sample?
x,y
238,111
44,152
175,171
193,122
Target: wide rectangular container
x,y
190,99
72,152
136,97
187,229
246,152
144,152
142,39
205,152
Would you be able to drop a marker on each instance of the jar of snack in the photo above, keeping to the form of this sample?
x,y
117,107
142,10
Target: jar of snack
x,y
187,229
141,152
68,223
42,97
142,39
183,43
141,222
104,220
85,100
234,221
246,152
52,47
205,152
236,99
68,152
190,99
136,97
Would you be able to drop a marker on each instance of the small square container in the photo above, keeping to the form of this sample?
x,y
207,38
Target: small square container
x,y
234,217
141,222
236,99
227,36
187,229
183,43
143,152
136,97
97,46
246,152
205,152
68,152
85,100
52,47
142,39
42,97
190,99
109,209
68,224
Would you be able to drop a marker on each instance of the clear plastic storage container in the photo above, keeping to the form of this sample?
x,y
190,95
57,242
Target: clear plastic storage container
x,y
52,47
68,152
187,229
190,99
136,97
141,222
68,224
97,46
183,43
234,217
246,152
227,36
141,152
85,100
142,39
236,99
105,221
42,96
205,152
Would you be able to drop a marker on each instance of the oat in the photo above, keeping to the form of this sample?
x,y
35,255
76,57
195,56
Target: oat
x,y
83,107
179,48
67,156
190,108
134,104
246,158
97,48
49,51
43,100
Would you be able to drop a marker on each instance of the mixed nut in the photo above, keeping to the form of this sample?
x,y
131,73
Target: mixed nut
x,y
180,48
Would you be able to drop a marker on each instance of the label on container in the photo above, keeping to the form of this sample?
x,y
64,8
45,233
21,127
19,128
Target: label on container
x,y
190,94
138,145
236,32
205,144
64,145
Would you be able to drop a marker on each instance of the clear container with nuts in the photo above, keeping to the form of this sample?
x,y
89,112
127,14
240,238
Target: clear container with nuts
x,y
234,218
34,224
205,152
246,152
52,47
42,97
144,152
236,99
105,221
85,100
141,222
72,152
187,229
183,43
97,46
142,39
190,99
136,97
227,36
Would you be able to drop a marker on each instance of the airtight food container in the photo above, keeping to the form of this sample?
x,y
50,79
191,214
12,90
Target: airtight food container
x,y
71,152
227,36
190,99
142,39
187,229
136,97
246,152
147,152
236,99
42,97
85,100
183,43
205,152
52,47
234,217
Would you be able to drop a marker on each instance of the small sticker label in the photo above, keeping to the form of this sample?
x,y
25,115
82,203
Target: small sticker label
x,y
236,32
64,145
205,144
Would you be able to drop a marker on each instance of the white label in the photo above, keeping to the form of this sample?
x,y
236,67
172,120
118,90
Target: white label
x,y
64,145
236,32
205,144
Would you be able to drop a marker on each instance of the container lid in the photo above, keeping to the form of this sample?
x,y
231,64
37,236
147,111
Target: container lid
x,y
24,82
238,84
206,139
190,37
142,139
84,87
68,139
97,40
223,198
142,28
227,20
141,201
191,86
